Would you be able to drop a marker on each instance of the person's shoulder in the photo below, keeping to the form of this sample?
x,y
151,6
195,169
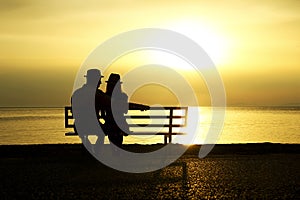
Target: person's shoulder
x,y
124,95
77,92
100,93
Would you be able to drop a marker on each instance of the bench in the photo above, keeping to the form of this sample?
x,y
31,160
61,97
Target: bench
x,y
163,121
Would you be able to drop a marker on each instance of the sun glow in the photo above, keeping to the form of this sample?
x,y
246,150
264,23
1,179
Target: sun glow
x,y
210,40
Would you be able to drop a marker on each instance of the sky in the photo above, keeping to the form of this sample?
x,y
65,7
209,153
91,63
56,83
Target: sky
x,y
255,46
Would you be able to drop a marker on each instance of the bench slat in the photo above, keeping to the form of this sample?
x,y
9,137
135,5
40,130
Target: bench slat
x,y
135,133
168,108
71,134
152,117
157,125
155,133
69,126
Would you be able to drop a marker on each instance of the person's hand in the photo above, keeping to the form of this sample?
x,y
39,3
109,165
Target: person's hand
x,y
144,108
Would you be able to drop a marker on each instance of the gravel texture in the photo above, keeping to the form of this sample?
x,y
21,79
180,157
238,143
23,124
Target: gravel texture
x,y
69,172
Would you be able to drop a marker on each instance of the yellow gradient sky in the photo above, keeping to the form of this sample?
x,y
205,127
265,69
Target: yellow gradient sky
x,y
255,45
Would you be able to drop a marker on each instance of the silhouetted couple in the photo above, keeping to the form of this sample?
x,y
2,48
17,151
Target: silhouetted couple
x,y
90,104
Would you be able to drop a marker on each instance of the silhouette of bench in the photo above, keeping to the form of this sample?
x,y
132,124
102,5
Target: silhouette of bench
x,y
165,121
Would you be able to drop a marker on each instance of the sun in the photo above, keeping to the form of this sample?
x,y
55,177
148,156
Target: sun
x,y
215,45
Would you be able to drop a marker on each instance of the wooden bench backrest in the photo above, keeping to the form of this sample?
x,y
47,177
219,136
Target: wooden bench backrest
x,y
166,119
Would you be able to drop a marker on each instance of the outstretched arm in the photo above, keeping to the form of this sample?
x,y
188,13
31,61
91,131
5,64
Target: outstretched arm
x,y
136,106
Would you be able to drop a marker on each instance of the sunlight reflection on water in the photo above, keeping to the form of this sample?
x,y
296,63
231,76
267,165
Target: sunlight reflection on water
x,y
242,125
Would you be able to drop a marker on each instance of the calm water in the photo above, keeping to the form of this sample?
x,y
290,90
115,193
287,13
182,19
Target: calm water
x,y
242,125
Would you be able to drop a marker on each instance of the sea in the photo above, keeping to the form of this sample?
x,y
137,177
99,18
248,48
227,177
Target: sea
x,y
241,125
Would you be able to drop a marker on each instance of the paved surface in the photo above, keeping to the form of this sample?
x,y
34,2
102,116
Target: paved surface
x,y
79,176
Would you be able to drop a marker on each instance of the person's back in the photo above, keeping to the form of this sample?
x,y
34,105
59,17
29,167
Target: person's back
x,y
84,109
115,119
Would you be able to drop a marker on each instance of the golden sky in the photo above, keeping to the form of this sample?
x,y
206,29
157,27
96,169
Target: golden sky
x,y
254,44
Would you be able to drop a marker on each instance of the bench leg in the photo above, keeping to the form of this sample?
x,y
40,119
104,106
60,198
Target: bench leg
x,y
166,141
170,138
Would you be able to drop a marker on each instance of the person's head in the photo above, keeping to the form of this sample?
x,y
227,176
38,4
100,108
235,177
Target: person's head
x,y
93,77
113,83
